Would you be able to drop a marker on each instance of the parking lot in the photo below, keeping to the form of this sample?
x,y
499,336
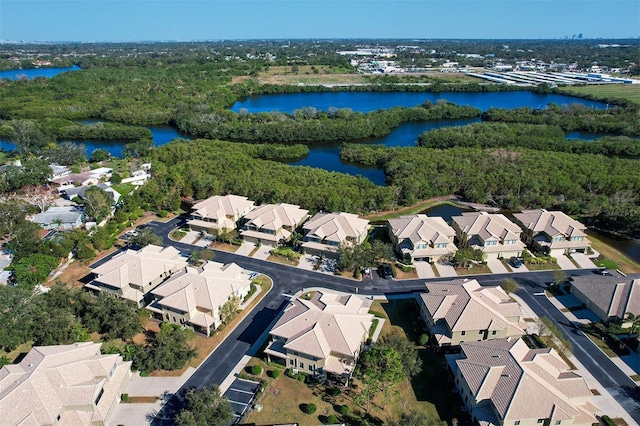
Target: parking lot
x,y
241,394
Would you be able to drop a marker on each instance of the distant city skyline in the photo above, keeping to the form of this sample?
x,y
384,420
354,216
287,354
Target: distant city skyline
x,y
163,20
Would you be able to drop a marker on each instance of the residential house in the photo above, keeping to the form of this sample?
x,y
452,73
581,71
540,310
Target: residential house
x,y
194,295
58,171
553,233
69,217
132,274
493,234
464,311
503,382
324,233
273,224
422,238
322,335
610,298
91,177
65,385
79,191
219,214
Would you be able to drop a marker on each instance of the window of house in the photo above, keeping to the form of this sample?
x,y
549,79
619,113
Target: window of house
x,y
291,362
490,243
421,246
301,365
493,333
441,245
517,422
463,333
311,368
510,242
97,400
558,422
541,420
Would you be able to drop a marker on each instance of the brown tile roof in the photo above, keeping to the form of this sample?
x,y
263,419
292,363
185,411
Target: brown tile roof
x,y
613,295
523,383
466,305
550,222
61,380
327,324
336,227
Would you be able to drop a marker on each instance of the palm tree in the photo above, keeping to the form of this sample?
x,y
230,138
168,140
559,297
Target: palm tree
x,y
635,322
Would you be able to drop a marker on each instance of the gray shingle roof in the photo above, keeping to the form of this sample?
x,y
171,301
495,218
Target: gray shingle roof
x,y
613,295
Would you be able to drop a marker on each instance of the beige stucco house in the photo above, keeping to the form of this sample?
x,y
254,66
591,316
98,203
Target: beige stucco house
x,y
219,213
503,382
422,238
322,335
554,233
610,298
193,296
493,234
63,385
132,274
273,224
324,233
464,311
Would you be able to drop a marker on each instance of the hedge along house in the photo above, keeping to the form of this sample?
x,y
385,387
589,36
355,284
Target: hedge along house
x,y
493,234
132,274
194,297
273,224
462,311
219,214
323,335
422,238
324,233
553,233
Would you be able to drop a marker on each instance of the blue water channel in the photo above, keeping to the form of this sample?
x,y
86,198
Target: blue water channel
x,y
35,72
327,155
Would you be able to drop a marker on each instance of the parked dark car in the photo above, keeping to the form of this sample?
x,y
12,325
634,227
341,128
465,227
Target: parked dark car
x,y
385,271
515,262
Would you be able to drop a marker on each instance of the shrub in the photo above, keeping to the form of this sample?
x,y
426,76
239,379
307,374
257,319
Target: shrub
x,y
333,391
356,274
332,419
286,252
310,408
275,373
394,271
256,370
301,377
344,410
124,397
423,339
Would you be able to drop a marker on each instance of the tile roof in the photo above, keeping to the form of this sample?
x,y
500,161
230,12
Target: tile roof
x,y
614,295
139,267
274,216
489,227
421,227
336,226
220,206
523,383
327,324
205,289
466,305
61,380
550,222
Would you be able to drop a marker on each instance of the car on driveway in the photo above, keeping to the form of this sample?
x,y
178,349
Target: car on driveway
x,y
384,271
515,262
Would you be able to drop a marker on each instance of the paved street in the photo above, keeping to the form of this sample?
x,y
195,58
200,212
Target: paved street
x,y
288,280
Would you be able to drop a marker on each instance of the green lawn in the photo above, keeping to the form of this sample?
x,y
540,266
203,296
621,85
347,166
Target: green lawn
x,y
124,188
622,91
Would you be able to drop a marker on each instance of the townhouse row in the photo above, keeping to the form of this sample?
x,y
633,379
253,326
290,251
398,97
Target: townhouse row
x,y
415,238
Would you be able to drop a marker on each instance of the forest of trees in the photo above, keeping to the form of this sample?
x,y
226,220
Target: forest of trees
x,y
311,125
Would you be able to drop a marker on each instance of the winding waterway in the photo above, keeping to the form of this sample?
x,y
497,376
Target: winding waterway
x,y
35,72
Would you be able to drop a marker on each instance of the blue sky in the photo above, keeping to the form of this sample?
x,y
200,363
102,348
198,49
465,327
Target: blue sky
x,y
183,20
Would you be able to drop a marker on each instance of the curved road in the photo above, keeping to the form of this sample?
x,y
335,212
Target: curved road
x,y
288,280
